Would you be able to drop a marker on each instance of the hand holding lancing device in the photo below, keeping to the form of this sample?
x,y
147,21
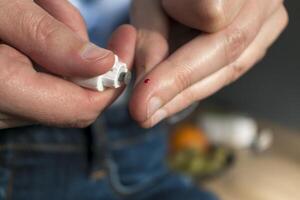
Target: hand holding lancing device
x,y
52,34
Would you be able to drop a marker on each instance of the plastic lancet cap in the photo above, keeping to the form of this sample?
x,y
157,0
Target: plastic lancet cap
x,y
114,78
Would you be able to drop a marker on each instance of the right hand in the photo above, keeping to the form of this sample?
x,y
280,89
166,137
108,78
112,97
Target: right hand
x,y
53,35
212,43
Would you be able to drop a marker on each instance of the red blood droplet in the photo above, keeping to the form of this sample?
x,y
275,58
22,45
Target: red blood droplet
x,y
147,80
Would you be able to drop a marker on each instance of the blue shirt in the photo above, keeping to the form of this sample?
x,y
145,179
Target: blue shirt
x,y
103,16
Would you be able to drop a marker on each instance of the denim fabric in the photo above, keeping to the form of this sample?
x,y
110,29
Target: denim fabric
x,y
48,163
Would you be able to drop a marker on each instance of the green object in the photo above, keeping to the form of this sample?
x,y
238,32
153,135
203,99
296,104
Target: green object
x,y
197,164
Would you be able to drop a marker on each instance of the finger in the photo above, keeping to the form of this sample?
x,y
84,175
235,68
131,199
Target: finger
x,y
66,13
254,53
198,59
51,44
205,15
49,100
152,44
122,43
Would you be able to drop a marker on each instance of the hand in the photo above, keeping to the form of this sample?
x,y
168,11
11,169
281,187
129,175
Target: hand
x,y
235,35
53,35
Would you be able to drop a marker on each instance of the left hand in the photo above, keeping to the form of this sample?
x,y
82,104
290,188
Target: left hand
x,y
236,34
53,35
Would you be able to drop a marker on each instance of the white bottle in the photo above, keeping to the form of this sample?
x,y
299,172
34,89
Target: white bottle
x,y
235,131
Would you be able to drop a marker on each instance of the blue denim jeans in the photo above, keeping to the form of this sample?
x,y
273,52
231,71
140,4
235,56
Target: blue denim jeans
x,y
124,162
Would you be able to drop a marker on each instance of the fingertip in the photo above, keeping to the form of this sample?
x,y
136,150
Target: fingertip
x,y
122,43
151,49
127,28
142,95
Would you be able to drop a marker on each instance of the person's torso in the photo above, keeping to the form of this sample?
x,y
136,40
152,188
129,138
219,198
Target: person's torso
x,y
103,16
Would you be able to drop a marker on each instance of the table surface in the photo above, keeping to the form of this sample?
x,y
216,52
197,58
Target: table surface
x,y
272,175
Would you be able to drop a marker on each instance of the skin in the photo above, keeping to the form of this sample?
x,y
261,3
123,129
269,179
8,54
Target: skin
x,y
52,34
183,65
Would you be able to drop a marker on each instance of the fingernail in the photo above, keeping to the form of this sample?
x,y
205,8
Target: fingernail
x,y
154,104
91,52
158,117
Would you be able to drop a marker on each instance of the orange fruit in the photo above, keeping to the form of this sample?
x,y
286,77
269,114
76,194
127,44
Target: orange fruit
x,y
190,137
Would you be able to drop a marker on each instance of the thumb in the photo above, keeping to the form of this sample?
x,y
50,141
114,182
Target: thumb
x,y
152,35
50,43
65,12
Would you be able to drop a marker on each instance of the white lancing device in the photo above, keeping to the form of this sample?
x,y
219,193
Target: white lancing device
x,y
115,78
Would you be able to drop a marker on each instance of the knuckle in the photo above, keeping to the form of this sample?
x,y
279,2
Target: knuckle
x,y
236,70
43,28
235,42
183,77
190,96
213,14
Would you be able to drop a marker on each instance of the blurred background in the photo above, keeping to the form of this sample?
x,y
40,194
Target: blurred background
x,y
272,88
244,142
